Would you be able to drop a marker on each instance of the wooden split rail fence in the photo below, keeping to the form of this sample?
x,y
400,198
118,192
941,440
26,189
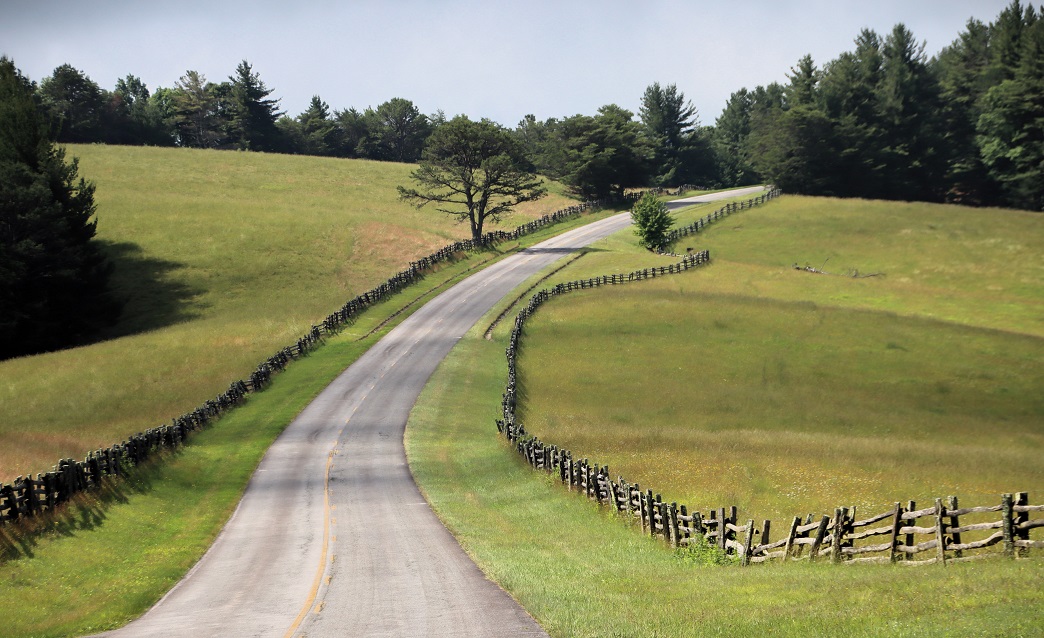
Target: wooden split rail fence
x,y
941,533
28,496
732,207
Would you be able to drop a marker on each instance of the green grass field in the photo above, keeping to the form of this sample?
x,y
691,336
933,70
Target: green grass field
x,y
781,391
222,259
205,309
785,392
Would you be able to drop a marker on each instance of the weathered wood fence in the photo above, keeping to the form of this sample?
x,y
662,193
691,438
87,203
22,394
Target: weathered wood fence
x,y
677,233
27,496
940,533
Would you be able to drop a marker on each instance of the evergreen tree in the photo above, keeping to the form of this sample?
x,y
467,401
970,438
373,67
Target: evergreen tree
x,y
909,138
670,124
137,119
252,116
605,154
351,131
804,79
962,71
395,131
542,144
318,131
731,130
53,277
1011,126
197,112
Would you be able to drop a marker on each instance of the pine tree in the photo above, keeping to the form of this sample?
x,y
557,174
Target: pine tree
x,y
251,115
53,277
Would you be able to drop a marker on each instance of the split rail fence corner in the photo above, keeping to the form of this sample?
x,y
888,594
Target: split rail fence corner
x,y
27,496
940,533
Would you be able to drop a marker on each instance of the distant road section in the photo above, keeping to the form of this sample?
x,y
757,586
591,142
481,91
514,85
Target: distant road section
x,y
332,537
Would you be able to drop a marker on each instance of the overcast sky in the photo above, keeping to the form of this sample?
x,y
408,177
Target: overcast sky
x,y
490,58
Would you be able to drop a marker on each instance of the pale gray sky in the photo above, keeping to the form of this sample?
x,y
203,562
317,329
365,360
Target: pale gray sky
x,y
490,58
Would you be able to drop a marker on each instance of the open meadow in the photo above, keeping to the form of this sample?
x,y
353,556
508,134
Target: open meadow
x,y
776,389
784,391
222,258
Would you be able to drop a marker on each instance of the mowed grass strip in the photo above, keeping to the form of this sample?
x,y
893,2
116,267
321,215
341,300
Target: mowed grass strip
x,y
820,391
222,258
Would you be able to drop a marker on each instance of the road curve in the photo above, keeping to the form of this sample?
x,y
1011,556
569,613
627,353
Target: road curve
x,y
332,536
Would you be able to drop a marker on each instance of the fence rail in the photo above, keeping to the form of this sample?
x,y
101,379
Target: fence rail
x,y
27,496
941,533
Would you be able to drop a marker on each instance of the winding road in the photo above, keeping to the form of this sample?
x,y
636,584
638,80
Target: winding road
x,y
332,536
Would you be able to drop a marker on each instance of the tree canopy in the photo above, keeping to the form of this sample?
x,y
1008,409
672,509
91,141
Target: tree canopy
x,y
53,277
474,171
885,121
652,221
882,120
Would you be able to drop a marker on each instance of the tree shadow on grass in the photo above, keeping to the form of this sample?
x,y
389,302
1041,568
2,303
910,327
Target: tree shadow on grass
x,y
152,294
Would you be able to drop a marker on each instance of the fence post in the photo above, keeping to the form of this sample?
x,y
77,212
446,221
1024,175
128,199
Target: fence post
x,y
839,533
1020,518
651,504
747,544
724,520
954,524
672,510
662,508
790,538
1008,522
813,552
897,524
940,530
911,506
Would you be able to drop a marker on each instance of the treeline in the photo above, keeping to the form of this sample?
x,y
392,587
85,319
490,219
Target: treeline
x,y
597,156
884,121
880,121
237,113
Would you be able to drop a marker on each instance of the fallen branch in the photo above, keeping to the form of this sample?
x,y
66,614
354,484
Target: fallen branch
x,y
854,274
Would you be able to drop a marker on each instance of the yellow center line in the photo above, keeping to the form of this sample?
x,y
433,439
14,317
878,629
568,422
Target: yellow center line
x,y
322,560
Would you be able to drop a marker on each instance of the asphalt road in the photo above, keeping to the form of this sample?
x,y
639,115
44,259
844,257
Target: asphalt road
x,y
332,536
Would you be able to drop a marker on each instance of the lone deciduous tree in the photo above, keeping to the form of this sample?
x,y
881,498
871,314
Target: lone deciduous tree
x,y
474,171
651,220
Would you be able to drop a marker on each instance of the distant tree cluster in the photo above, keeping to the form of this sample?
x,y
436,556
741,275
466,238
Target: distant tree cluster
x,y
238,113
884,121
605,154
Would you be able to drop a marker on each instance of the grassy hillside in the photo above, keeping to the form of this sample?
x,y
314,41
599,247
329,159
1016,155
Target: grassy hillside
x,y
776,389
222,258
785,392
